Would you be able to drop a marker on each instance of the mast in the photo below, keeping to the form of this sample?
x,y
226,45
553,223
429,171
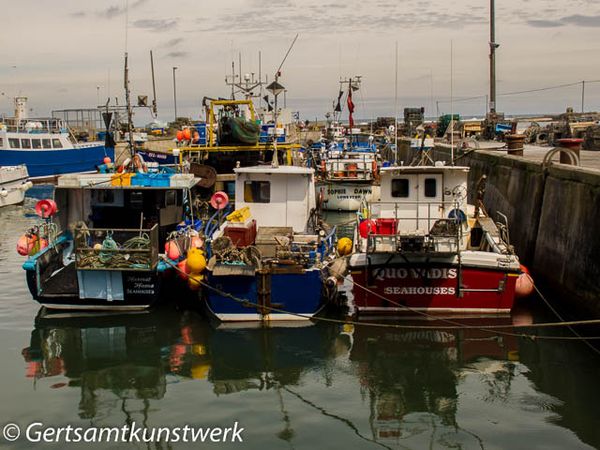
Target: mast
x,y
493,47
129,109
396,109
154,107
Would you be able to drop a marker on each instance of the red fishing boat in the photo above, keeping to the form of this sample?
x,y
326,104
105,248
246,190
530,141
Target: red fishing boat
x,y
423,248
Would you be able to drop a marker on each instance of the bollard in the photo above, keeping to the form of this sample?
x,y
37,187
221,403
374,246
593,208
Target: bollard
x,y
515,143
573,144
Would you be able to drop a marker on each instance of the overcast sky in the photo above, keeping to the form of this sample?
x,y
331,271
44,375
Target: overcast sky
x,y
58,52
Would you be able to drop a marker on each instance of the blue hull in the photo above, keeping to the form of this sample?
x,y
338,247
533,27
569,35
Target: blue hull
x,y
159,157
44,163
293,293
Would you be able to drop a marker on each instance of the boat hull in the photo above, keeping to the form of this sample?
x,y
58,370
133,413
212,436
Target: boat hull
x,y
432,287
45,163
293,296
347,196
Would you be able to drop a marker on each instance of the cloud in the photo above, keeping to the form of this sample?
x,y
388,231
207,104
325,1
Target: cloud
x,y
111,11
156,24
172,42
539,23
582,21
177,54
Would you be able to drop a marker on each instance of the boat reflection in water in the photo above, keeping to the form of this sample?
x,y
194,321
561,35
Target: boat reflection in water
x,y
110,358
115,358
365,386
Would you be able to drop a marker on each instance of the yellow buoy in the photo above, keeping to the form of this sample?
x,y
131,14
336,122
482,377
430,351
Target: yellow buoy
x,y
196,262
194,281
344,246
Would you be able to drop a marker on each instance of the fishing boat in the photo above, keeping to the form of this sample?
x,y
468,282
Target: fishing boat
x,y
45,145
98,245
348,161
13,184
348,173
269,259
422,248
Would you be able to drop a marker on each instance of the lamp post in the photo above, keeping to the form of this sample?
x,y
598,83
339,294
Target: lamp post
x,y
175,92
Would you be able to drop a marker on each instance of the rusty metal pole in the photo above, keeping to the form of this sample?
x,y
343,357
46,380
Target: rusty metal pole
x,y
493,47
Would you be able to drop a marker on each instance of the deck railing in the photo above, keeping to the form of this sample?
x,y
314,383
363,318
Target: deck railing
x,y
415,227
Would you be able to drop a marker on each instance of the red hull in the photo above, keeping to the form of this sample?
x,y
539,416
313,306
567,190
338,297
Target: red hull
x,y
397,288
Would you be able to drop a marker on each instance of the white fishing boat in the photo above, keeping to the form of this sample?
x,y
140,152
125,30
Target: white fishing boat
x,y
13,184
349,173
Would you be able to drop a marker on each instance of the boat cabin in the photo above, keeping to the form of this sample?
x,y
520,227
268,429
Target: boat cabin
x,y
418,202
34,134
281,197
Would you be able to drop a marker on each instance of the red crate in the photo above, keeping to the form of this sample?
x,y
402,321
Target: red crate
x,y
242,235
387,226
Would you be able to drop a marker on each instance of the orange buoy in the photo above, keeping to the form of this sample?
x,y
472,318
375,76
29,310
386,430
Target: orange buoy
x,y
26,244
524,286
180,135
172,250
183,269
107,160
187,134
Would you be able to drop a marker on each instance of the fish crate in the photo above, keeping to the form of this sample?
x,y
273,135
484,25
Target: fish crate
x,y
116,249
181,179
121,179
268,238
241,234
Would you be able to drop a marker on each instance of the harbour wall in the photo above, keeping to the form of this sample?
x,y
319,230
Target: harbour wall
x,y
553,215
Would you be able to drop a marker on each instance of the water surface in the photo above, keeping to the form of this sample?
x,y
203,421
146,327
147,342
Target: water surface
x,y
323,385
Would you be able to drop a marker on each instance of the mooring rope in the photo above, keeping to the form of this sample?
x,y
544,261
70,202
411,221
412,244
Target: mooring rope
x,y
493,329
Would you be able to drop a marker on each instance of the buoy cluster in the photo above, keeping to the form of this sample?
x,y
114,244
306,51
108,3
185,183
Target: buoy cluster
x,y
186,251
37,238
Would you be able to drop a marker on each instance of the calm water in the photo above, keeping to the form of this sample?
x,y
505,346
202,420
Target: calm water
x,y
312,387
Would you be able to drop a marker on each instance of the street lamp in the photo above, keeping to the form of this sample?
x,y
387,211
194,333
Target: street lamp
x,y
175,92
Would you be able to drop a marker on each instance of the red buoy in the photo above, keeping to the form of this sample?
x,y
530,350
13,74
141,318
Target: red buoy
x,y
367,227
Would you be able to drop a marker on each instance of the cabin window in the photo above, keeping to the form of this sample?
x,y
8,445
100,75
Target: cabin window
x,y
257,191
25,143
46,143
56,143
400,188
14,143
430,187
36,144
171,198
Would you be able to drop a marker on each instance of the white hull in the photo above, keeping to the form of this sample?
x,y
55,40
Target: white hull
x,y
347,196
13,185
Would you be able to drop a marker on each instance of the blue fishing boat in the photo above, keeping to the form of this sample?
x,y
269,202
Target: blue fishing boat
x,y
45,146
269,259
98,246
